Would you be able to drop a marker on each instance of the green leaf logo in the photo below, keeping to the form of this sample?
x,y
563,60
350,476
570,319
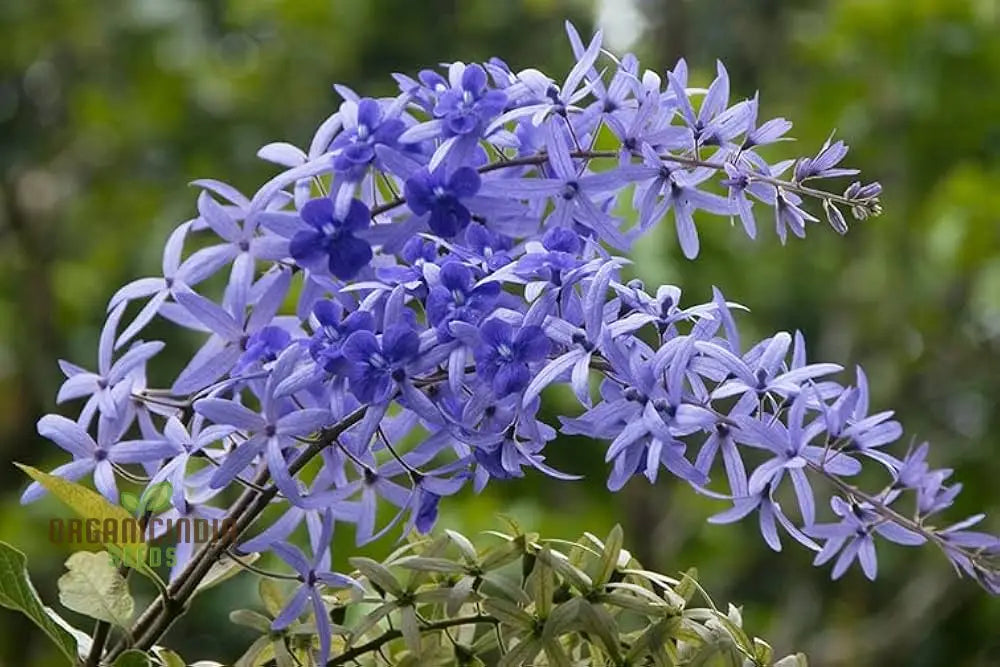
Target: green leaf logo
x,y
130,502
155,498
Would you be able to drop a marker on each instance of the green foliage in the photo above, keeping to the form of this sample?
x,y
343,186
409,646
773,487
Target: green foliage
x,y
132,659
128,546
107,109
17,593
119,532
155,498
515,599
94,587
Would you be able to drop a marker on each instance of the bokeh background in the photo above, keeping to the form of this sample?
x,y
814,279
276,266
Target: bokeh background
x,y
107,110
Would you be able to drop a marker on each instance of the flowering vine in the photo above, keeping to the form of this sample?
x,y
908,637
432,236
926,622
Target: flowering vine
x,y
401,294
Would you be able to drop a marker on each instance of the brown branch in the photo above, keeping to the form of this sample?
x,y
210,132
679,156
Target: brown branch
x,y
161,614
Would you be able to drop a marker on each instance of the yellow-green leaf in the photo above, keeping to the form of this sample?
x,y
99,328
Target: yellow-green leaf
x,y
271,596
542,586
609,556
156,497
168,658
120,539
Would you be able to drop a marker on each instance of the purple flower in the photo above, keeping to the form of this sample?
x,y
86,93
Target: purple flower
x,y
853,537
314,573
326,344
332,241
91,456
458,268
768,133
263,347
504,357
378,365
715,124
457,297
769,516
365,127
792,454
433,193
571,193
415,253
824,164
468,105
645,422
230,328
108,387
679,192
559,253
788,215
268,432
761,371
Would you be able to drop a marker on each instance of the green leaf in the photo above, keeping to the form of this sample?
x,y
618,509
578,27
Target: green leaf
x,y
563,618
739,637
270,595
282,656
83,639
430,565
598,621
223,569
574,575
652,640
556,654
94,587
91,505
371,619
762,651
508,613
542,586
410,628
501,555
168,658
507,587
250,619
463,544
378,574
522,654
130,502
156,497
688,585
132,658
256,654
635,603
609,556
459,594
17,593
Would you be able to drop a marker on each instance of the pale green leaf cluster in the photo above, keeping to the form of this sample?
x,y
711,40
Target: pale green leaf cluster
x,y
514,599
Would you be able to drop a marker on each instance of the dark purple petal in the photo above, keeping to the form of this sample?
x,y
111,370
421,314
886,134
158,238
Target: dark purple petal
x,y
348,255
317,212
465,182
358,217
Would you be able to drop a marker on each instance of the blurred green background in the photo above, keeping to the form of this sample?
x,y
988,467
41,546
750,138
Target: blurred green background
x,y
107,110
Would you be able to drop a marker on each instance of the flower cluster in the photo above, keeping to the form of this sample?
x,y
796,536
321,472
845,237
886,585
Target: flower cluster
x,y
402,293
